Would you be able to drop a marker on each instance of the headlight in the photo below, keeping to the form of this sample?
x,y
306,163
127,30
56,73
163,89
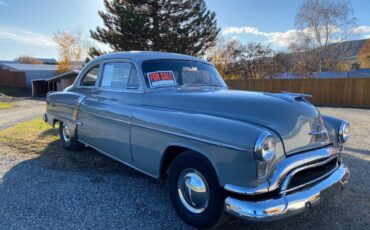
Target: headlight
x,y
265,147
344,132
264,151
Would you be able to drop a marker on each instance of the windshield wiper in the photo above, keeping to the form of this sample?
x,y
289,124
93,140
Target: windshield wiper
x,y
189,85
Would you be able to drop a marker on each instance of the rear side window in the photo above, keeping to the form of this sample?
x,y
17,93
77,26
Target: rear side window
x,y
90,77
119,76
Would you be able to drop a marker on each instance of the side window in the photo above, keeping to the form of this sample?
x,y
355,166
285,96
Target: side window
x,y
119,76
90,77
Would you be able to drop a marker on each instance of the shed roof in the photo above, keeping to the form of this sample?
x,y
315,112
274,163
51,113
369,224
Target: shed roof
x,y
28,67
3,62
63,75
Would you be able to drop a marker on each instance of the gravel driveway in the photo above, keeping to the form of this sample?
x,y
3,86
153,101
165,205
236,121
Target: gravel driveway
x,y
34,195
21,110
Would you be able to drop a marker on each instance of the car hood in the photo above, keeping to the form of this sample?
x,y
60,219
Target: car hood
x,y
293,118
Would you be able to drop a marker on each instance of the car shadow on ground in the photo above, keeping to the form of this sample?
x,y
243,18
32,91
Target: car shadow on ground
x,y
84,189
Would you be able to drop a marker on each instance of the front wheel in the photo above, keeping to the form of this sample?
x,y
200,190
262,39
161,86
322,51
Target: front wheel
x,y
68,137
194,190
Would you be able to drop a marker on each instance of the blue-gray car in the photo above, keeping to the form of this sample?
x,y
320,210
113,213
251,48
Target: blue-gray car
x,y
259,156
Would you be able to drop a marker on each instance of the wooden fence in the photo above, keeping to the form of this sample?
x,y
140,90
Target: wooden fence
x,y
12,78
348,92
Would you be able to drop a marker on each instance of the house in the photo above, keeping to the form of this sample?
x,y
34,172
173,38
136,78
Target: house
x,y
355,73
359,73
40,87
31,71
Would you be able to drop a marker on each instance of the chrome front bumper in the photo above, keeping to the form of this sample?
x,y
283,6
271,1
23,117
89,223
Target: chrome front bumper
x,y
290,204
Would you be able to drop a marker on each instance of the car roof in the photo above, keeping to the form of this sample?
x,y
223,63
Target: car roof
x,y
141,56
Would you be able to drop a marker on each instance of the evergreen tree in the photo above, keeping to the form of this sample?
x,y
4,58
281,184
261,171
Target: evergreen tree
x,y
183,26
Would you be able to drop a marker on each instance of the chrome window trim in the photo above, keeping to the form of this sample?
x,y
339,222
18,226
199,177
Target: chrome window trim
x,y
83,75
140,89
180,59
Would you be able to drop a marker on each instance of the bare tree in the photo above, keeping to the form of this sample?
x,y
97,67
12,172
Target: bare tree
x,y
322,22
364,55
257,61
253,60
225,57
28,60
70,47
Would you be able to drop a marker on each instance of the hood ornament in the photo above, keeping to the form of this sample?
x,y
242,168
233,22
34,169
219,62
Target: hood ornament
x,y
297,96
318,128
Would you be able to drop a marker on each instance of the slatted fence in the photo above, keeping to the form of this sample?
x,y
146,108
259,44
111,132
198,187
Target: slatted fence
x,y
348,92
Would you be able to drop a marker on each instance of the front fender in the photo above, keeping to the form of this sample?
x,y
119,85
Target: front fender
x,y
228,144
333,124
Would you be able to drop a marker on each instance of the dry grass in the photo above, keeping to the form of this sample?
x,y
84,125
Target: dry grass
x,y
36,139
29,137
5,105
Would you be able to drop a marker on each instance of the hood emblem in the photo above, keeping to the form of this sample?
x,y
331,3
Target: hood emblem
x,y
318,128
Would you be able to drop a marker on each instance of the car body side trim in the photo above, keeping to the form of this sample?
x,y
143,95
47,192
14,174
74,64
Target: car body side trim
x,y
106,117
193,138
117,159
78,123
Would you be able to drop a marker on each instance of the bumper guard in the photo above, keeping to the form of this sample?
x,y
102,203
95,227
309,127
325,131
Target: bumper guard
x,y
289,204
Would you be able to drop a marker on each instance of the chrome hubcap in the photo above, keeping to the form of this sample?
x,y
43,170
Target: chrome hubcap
x,y
66,134
193,190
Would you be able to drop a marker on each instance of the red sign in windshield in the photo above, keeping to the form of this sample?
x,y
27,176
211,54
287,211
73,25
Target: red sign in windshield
x,y
161,78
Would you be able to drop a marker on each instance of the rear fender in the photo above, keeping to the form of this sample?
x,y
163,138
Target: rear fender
x,y
64,107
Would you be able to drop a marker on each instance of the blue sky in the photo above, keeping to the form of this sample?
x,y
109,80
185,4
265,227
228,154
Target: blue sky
x,y
27,27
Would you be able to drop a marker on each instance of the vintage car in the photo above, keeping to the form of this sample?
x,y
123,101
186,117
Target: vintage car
x,y
259,156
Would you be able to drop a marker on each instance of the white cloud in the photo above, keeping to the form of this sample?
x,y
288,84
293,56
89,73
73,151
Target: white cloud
x,y
2,3
242,30
361,29
25,37
276,38
282,39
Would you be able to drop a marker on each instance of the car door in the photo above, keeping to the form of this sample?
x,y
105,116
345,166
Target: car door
x,y
85,86
106,112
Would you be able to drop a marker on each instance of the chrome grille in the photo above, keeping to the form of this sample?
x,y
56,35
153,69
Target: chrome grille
x,y
308,175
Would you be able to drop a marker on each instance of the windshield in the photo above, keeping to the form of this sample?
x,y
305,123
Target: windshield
x,y
179,73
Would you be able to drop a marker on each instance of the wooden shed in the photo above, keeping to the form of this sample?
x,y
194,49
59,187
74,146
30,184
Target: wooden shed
x,y
40,87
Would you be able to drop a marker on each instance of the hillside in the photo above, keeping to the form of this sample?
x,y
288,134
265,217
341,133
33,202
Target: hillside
x,y
347,50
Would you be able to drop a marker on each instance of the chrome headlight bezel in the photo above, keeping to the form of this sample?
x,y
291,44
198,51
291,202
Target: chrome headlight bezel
x,y
265,147
344,131
264,152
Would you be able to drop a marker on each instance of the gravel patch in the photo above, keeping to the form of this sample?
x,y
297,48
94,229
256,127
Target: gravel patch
x,y
22,110
34,195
